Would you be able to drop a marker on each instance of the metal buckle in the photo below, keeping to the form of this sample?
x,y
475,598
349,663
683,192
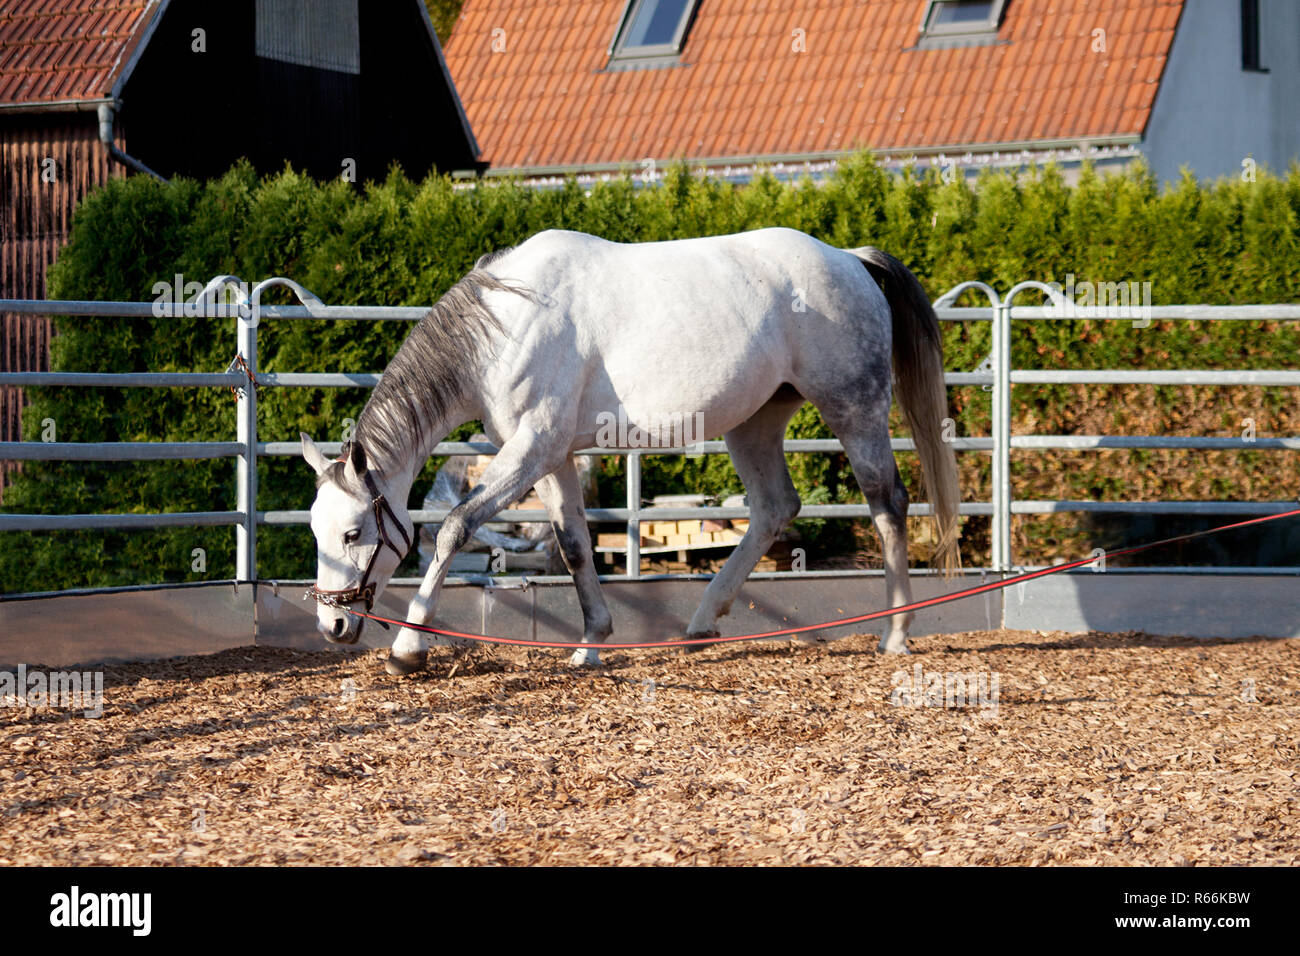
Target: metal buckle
x,y
341,599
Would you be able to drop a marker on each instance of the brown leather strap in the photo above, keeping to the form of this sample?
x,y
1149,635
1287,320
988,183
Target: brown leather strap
x,y
365,588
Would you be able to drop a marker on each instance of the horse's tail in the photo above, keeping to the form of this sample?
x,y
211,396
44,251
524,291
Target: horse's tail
x,y
918,383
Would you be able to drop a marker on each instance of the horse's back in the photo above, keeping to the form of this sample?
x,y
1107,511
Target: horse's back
x,y
713,324
748,279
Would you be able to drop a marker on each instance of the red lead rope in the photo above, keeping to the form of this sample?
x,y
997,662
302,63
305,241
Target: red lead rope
x,y
887,612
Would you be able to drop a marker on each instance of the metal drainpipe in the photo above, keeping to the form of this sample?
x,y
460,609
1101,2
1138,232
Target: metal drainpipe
x,y
106,113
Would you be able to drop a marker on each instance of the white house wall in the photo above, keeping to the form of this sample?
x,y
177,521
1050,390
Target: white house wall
x,y
1210,114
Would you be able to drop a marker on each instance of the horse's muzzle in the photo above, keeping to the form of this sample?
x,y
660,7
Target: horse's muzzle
x,y
341,630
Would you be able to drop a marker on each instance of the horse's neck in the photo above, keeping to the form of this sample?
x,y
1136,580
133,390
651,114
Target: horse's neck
x,y
402,467
404,473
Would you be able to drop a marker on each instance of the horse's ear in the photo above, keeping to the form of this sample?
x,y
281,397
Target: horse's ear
x,y
313,455
357,458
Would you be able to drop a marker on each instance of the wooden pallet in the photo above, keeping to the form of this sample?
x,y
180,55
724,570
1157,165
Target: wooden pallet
x,y
659,536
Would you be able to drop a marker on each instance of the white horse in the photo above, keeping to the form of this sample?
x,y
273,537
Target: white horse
x,y
544,342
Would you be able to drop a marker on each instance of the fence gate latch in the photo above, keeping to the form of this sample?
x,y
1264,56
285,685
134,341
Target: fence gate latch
x,y
239,364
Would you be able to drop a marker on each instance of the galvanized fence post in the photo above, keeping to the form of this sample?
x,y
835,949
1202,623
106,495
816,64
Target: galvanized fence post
x,y
633,569
246,464
250,318
1002,436
1001,430
1002,556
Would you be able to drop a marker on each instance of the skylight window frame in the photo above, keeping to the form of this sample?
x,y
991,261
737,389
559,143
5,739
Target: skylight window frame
x,y
621,55
973,32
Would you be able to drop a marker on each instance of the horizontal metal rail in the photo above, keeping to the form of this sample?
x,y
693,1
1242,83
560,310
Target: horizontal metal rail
x,y
264,379
1195,443
370,380
132,522
1264,377
318,379
169,451
1154,507
793,446
1141,313
520,579
26,522
90,308
656,513
377,313
122,379
117,450
1153,377
919,509
173,310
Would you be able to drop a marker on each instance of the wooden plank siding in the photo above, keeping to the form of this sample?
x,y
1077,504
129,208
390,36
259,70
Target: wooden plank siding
x,y
35,217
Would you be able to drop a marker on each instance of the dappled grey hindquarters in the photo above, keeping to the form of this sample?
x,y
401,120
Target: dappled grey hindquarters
x,y
1075,749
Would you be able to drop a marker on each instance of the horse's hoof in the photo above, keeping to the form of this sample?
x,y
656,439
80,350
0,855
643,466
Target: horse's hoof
x,y
403,666
884,647
702,636
586,657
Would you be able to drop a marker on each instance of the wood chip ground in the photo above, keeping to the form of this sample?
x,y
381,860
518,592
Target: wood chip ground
x,y
1103,749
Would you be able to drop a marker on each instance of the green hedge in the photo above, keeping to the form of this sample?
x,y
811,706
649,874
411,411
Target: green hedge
x,y
404,243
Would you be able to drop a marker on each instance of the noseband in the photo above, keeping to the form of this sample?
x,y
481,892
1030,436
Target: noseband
x,y
365,588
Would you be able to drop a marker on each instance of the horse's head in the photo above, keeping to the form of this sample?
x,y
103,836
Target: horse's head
x,y
360,539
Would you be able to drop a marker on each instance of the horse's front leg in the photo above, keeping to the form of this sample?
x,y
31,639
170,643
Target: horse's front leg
x,y
518,466
562,494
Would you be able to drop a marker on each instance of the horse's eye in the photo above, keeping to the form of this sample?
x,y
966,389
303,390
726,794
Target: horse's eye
x,y
351,536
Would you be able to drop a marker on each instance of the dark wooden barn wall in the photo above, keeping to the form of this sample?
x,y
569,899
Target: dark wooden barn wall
x,y
409,112
34,220
194,114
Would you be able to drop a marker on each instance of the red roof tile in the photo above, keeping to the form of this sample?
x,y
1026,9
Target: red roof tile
x,y
548,100
55,50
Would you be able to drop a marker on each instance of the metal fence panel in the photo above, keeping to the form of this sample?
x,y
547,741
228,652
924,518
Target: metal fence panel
x,y
247,310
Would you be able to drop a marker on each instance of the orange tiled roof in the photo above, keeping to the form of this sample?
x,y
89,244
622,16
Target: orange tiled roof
x,y
547,101
57,50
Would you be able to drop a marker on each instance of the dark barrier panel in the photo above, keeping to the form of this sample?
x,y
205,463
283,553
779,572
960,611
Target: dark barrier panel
x,y
127,625
643,610
154,623
1186,605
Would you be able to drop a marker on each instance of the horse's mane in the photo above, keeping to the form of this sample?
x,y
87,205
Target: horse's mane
x,y
429,373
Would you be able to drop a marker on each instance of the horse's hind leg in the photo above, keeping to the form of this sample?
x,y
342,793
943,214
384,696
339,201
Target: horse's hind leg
x,y
561,492
873,465
756,452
